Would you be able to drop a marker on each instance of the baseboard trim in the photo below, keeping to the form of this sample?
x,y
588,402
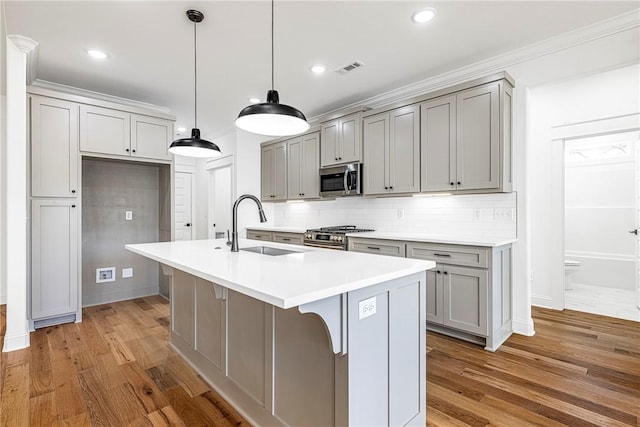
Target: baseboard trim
x,y
121,296
523,327
17,342
3,299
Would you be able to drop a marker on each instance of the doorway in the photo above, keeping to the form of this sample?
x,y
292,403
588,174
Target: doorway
x,y
601,218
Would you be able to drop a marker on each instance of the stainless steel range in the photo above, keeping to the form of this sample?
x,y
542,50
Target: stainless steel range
x,y
331,237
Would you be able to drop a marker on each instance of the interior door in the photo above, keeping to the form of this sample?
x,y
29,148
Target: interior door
x,y
184,206
220,200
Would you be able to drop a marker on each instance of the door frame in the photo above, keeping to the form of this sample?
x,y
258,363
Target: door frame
x,y
194,184
561,134
210,166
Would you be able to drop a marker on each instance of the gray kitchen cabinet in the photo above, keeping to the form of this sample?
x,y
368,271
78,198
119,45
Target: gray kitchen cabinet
x,y
289,238
377,246
274,172
54,147
341,140
183,305
119,133
54,260
469,291
392,152
267,236
466,140
303,164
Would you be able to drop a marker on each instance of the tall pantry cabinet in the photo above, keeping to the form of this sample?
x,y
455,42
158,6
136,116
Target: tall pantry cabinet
x,y
55,225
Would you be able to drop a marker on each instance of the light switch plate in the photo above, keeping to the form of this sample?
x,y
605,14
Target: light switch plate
x,y
128,215
367,308
127,272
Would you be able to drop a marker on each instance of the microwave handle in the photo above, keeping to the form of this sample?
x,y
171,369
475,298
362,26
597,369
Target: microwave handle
x,y
346,180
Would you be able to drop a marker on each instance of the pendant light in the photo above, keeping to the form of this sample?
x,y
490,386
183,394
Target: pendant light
x,y
272,118
195,146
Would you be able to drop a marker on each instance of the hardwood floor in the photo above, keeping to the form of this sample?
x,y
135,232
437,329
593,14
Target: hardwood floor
x,y
116,369
579,370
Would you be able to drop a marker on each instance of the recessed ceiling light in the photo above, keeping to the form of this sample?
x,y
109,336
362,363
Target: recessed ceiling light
x,y
318,68
97,54
182,129
424,15
254,100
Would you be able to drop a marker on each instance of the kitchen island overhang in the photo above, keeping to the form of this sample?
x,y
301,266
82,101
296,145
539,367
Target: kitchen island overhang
x,y
239,319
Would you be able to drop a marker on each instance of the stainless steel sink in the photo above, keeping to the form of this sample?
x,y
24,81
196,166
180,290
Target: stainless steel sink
x,y
266,250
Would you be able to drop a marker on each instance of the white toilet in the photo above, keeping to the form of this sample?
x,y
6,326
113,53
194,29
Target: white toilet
x,y
570,268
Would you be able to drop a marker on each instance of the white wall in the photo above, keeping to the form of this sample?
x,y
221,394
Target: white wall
x,y
3,145
606,94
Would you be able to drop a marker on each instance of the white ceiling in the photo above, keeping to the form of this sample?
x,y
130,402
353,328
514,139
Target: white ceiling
x,y
151,47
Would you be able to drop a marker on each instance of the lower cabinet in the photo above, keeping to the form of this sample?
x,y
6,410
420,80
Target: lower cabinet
x,y
54,260
468,292
276,236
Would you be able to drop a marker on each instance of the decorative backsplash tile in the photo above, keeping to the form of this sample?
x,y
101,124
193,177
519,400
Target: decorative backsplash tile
x,y
478,215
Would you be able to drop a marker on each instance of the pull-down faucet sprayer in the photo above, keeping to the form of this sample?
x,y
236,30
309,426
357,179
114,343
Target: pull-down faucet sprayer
x,y
234,233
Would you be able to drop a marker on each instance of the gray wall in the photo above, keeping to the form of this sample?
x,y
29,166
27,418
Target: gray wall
x,y
109,188
166,196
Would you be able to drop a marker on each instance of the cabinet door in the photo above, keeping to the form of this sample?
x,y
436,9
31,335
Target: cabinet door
x,y
54,258
329,143
104,131
404,150
466,299
435,298
478,139
438,144
350,137
183,306
280,172
260,235
294,168
150,137
376,148
266,173
54,148
310,176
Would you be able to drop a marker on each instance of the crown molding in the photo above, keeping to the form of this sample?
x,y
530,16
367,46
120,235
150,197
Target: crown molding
x,y
57,87
500,62
31,49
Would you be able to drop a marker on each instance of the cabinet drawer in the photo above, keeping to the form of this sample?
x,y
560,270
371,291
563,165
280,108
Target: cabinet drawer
x,y
449,254
260,235
290,238
377,246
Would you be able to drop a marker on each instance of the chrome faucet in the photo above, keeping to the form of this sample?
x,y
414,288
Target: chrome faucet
x,y
234,232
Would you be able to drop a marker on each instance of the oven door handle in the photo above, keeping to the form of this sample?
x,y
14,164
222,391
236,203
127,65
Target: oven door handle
x,y
320,245
346,180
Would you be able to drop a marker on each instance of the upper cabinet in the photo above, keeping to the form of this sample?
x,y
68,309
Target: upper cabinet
x,y
54,147
303,165
114,132
341,140
274,172
466,140
392,152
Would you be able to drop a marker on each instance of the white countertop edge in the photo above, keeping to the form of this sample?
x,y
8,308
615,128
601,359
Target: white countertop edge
x,y
275,229
286,303
428,238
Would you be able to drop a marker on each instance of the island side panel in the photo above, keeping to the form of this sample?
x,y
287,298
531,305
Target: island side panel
x,y
389,343
182,308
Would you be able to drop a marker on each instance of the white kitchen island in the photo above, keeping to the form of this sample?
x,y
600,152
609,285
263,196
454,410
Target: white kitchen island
x,y
312,338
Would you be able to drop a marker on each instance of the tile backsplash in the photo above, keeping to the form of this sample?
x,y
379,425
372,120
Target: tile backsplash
x,y
478,215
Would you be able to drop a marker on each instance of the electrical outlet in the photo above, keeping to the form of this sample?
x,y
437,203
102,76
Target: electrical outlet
x,y
503,214
128,215
476,214
105,274
400,213
367,308
127,272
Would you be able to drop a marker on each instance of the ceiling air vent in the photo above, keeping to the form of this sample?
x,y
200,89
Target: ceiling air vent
x,y
350,67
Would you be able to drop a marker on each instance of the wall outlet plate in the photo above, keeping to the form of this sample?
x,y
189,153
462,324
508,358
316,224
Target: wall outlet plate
x,y
127,272
367,307
128,215
105,274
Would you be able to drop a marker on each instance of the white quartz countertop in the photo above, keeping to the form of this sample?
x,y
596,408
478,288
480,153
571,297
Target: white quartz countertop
x,y
284,281
279,229
434,238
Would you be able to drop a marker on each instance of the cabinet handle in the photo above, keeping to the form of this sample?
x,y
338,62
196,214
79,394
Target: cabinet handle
x,y
390,188
127,150
339,158
443,255
386,188
73,206
459,183
133,151
446,272
373,248
73,191
437,271
187,225
452,183
286,240
335,158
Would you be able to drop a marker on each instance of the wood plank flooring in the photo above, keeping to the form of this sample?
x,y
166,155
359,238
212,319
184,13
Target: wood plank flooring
x,y
578,370
116,369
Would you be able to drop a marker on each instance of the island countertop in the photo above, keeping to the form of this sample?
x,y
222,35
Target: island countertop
x,y
285,281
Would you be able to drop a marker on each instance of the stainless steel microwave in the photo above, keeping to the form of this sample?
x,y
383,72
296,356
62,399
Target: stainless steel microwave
x,y
343,180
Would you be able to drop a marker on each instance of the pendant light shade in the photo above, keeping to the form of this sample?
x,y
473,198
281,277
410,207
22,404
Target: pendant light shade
x,y
195,146
272,118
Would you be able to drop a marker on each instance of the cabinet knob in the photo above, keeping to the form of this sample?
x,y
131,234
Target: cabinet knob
x,y
390,188
133,151
446,272
386,188
335,158
73,206
437,271
73,191
459,182
339,158
452,183
302,194
187,224
127,150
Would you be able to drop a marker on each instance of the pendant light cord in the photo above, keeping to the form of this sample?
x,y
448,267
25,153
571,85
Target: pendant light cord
x,y
195,75
272,2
